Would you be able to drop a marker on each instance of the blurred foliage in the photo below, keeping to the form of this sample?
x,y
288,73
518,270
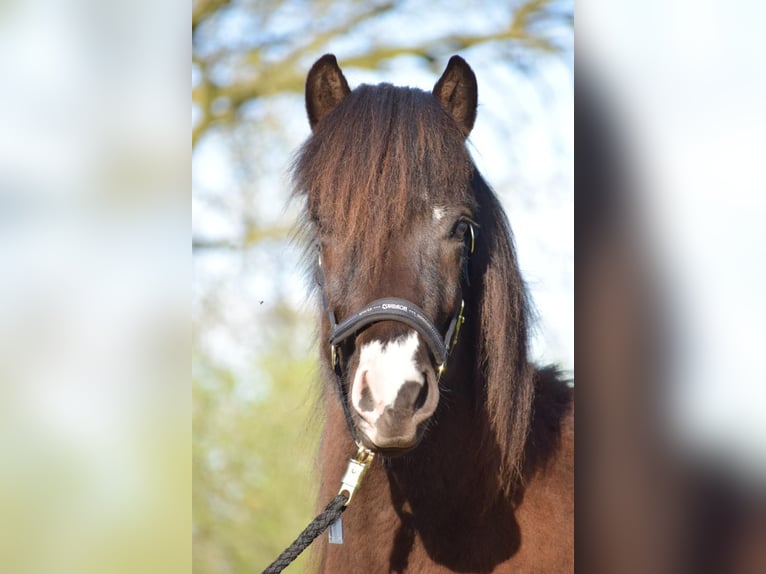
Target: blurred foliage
x,y
74,501
253,458
255,433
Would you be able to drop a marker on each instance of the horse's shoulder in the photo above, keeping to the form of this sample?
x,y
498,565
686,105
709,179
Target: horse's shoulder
x,y
546,510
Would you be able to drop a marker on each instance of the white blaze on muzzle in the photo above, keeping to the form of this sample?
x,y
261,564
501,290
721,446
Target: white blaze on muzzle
x,y
384,370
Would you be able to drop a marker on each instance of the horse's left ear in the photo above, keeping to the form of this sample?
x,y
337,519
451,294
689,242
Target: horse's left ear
x,y
326,86
456,90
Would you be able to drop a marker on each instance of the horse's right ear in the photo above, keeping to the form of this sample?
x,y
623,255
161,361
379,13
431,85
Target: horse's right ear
x,y
326,86
457,92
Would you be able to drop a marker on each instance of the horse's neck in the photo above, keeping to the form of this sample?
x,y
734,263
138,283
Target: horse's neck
x,y
447,503
458,457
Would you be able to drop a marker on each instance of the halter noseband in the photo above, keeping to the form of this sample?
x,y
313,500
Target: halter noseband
x,y
403,311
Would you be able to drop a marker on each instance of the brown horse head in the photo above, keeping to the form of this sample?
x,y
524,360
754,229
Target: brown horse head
x,y
392,202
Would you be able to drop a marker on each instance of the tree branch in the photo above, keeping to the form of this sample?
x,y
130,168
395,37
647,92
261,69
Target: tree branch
x,y
204,9
266,78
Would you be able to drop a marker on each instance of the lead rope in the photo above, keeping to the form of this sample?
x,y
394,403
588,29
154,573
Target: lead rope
x,y
355,471
329,515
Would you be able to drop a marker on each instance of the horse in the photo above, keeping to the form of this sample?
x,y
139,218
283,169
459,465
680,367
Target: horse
x,y
428,321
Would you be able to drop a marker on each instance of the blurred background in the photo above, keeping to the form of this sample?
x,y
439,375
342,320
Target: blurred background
x,y
95,266
671,446
254,356
95,298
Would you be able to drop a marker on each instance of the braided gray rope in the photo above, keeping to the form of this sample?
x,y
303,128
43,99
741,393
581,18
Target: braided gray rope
x,y
330,514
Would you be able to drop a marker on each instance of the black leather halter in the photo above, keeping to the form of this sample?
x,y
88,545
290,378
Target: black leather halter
x,y
394,309
403,311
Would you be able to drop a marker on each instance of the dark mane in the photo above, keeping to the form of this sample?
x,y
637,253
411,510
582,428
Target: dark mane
x,y
403,147
502,308
396,143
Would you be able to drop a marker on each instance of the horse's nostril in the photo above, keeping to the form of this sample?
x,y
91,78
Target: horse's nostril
x,y
366,402
422,395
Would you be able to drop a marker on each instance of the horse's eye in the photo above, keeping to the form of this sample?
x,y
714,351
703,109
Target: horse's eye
x,y
460,229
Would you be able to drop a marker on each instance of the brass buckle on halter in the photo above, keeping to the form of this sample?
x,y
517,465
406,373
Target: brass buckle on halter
x,y
355,471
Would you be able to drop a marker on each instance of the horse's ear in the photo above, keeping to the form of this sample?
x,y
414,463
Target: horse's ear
x,y
326,86
456,90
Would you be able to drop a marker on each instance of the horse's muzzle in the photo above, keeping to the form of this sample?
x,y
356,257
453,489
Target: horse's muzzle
x,y
394,392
